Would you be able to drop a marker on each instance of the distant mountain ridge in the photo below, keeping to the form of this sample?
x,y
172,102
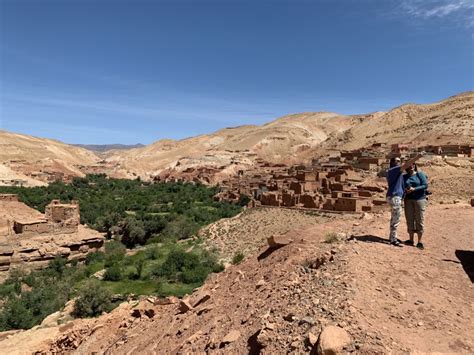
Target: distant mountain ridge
x,y
292,139
101,148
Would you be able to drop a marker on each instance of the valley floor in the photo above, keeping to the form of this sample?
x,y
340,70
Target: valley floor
x,y
277,300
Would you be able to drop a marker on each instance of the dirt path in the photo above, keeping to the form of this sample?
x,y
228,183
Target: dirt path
x,y
390,300
419,300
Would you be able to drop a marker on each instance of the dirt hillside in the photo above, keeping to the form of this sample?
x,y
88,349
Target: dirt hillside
x,y
23,147
279,141
387,299
449,121
33,161
299,137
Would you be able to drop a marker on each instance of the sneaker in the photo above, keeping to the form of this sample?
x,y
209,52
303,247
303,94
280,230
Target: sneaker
x,y
420,246
396,243
409,242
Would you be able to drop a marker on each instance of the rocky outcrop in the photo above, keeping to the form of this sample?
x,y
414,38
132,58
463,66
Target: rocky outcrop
x,y
35,252
29,239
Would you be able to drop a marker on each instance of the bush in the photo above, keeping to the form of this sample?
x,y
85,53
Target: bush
x,y
92,300
15,315
95,257
330,237
180,228
243,200
114,252
113,273
50,289
133,232
194,275
188,267
58,264
238,257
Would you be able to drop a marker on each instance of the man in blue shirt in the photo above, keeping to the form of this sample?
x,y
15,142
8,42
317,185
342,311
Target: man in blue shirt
x,y
395,191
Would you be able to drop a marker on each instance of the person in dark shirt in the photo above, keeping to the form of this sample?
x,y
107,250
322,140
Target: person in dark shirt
x,y
416,185
395,192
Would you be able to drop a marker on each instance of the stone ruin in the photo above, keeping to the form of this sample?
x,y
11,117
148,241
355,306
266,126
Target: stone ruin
x,y
30,239
59,218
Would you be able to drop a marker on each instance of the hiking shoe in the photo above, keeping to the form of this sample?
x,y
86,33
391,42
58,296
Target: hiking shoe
x,y
409,242
396,243
420,246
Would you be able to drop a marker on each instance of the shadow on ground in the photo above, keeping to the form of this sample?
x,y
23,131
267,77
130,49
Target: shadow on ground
x,y
369,239
466,257
267,252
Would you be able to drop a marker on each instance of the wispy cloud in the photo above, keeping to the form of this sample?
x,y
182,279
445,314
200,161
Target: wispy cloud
x,y
461,10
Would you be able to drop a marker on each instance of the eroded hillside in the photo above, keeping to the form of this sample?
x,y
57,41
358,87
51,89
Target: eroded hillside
x,y
33,161
298,138
278,300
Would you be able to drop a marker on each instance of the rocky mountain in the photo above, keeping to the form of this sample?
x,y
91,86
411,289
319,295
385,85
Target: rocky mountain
x,y
290,139
449,121
14,146
281,140
32,161
299,137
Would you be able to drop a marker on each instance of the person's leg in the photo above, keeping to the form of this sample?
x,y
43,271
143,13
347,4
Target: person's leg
x,y
409,216
420,208
396,211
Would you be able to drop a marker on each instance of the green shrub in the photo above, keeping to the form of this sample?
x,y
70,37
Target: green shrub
x,y
28,308
92,300
95,257
244,200
180,228
238,257
194,275
113,273
16,315
154,253
188,267
114,252
133,232
58,264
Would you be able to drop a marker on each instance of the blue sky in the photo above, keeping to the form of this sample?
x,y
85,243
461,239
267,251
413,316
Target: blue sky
x,y
107,71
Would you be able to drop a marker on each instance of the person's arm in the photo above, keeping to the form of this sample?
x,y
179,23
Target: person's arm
x,y
423,182
411,161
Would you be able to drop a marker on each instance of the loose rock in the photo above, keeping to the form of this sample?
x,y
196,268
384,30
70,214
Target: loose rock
x,y
332,340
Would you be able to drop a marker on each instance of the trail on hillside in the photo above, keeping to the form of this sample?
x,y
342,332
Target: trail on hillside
x,y
278,300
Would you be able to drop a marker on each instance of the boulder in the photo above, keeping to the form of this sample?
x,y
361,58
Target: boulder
x,y
232,336
201,298
278,241
332,341
99,275
166,301
52,320
312,339
184,306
